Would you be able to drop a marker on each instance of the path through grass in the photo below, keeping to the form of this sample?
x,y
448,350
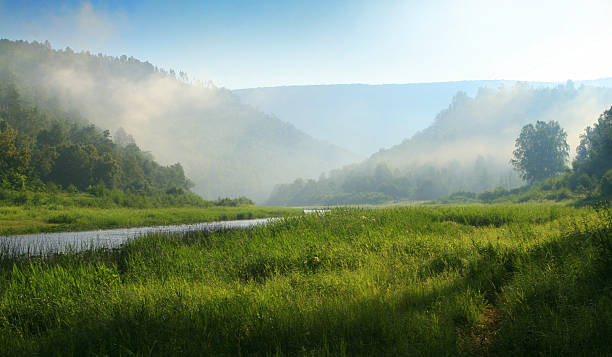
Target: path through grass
x,y
498,280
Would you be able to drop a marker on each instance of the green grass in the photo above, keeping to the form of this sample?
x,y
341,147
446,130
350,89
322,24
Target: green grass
x,y
465,280
27,219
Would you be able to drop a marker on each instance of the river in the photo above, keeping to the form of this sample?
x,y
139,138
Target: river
x,y
47,243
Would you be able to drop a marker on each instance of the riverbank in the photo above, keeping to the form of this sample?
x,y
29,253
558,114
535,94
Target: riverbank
x,y
24,219
463,280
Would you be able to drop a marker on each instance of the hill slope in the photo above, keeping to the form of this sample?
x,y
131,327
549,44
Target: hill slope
x,y
226,147
489,123
365,118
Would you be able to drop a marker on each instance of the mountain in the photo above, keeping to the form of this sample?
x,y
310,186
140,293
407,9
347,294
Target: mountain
x,y
467,147
226,147
366,118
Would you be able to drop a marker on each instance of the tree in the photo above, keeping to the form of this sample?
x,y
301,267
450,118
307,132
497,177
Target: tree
x,y
73,165
14,157
122,138
541,151
594,154
606,184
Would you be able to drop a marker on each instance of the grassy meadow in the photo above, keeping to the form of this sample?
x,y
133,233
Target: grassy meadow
x,y
532,279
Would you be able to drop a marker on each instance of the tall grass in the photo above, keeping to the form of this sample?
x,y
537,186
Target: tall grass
x,y
504,280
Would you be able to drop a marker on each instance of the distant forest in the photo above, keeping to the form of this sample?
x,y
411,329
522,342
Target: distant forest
x,y
359,185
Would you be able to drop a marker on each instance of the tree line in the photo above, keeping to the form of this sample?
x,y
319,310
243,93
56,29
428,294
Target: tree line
x,y
379,184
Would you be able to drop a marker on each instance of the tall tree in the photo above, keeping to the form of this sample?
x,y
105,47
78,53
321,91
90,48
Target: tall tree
x,y
541,151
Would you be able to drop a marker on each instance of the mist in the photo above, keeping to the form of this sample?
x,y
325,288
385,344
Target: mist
x,y
362,118
468,146
489,122
366,118
227,148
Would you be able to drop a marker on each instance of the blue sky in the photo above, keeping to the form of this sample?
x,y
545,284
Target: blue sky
x,y
239,44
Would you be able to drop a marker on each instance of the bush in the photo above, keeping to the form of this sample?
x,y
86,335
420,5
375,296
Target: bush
x,y
98,190
584,183
52,188
559,195
605,184
233,202
175,191
488,196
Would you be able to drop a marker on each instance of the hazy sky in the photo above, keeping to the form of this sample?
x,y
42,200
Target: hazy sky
x,y
239,44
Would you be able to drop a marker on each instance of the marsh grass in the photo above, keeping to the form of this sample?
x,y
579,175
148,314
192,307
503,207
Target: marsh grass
x,y
21,220
502,280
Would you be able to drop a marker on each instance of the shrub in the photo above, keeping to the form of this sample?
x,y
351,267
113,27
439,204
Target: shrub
x,y
488,196
605,184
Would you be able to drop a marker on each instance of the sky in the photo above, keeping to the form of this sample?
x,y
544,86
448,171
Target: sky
x,y
245,44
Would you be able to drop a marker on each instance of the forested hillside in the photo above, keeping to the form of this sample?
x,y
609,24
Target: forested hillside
x,y
48,146
227,148
468,147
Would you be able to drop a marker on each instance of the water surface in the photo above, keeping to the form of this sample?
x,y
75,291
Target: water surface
x,y
46,243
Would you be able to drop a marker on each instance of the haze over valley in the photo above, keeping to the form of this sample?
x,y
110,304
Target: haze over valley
x,y
248,142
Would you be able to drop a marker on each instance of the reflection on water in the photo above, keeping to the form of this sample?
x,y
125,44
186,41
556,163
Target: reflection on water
x,y
316,210
46,243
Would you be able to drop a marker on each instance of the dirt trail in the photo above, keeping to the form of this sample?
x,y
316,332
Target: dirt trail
x,y
480,338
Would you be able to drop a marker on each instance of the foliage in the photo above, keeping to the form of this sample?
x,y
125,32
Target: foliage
x,y
233,202
14,157
594,154
541,151
606,184
463,280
